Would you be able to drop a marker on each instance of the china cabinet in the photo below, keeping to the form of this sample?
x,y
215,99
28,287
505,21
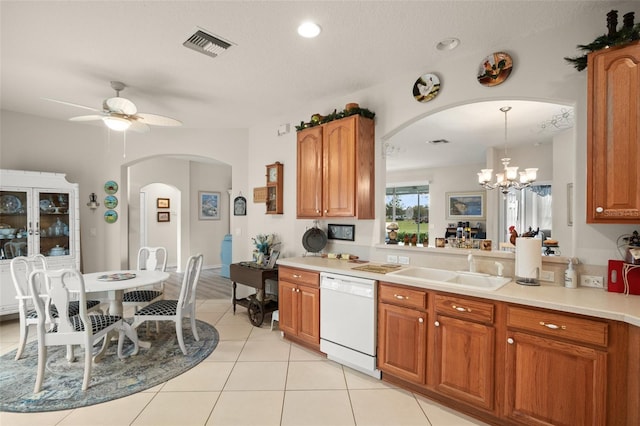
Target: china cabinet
x,y
299,305
613,135
38,214
336,169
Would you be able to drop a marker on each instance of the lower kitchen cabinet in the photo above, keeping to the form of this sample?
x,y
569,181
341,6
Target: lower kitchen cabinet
x,y
299,305
556,372
508,364
402,332
463,353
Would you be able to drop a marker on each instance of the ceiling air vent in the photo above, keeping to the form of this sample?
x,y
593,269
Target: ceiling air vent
x,y
206,43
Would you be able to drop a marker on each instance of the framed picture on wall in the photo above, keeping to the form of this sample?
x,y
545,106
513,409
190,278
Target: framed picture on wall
x,y
465,205
164,216
208,205
163,203
240,206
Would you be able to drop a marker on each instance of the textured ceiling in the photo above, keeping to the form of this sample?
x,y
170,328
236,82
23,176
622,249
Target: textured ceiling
x,y
71,50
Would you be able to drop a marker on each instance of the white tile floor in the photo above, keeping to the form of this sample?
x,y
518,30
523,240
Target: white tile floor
x,y
253,377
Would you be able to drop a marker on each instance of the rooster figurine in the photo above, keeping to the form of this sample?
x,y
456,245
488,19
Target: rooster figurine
x,y
514,235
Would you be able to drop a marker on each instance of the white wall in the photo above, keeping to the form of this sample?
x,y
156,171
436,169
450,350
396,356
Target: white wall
x,y
88,157
540,73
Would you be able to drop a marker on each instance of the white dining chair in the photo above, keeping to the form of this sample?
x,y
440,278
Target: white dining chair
x,y
176,310
149,258
59,287
21,267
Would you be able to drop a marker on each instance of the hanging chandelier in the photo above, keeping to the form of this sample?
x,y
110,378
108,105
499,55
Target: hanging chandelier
x,y
509,178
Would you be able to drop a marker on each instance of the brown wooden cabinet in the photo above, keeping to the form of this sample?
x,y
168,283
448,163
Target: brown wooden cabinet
x,y
275,181
299,305
336,169
463,353
613,135
556,372
402,332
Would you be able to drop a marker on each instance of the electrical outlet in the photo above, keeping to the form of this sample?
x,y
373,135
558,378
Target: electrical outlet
x,y
547,276
392,258
591,281
403,260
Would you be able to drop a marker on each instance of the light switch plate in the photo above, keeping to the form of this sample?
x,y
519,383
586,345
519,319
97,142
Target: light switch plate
x,y
392,258
403,260
547,276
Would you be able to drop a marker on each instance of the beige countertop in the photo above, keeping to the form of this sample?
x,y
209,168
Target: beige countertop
x,y
586,301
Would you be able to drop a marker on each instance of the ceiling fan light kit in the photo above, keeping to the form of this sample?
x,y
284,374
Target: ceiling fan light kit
x,y
116,123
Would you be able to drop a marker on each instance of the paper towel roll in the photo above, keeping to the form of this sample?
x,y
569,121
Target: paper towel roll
x,y
528,258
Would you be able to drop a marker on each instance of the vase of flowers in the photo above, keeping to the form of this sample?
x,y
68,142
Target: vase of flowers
x,y
263,244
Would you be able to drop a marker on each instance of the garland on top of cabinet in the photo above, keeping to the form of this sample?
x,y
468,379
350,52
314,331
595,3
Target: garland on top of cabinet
x,y
350,109
627,34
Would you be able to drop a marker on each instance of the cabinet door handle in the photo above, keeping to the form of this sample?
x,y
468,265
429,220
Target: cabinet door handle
x,y
437,323
37,231
510,341
599,209
420,320
553,326
400,297
297,276
30,229
460,308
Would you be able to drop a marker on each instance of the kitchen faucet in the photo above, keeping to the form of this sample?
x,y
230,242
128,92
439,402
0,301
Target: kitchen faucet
x,y
472,263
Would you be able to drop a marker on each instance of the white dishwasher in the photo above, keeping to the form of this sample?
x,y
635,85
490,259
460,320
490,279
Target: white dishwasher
x,y
348,325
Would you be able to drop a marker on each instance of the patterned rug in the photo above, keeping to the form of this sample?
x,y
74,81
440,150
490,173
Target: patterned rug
x,y
111,378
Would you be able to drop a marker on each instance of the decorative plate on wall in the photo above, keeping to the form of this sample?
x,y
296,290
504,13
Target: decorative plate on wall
x,y
426,88
110,187
110,202
494,69
110,216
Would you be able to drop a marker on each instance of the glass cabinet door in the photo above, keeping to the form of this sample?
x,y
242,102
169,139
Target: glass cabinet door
x,y
53,220
14,226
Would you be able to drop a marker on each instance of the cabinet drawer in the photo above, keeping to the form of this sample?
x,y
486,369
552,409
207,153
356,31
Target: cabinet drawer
x,y
299,276
464,308
563,326
402,296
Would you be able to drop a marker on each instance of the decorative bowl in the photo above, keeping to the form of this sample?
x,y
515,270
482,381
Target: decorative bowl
x,y
7,231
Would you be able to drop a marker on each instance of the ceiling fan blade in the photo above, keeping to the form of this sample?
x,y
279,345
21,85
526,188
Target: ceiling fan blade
x,y
87,118
138,127
119,105
71,104
157,120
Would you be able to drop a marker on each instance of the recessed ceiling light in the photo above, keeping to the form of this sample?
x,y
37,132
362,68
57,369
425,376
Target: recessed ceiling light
x,y
449,43
309,29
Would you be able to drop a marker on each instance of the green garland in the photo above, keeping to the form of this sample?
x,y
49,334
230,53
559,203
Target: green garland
x,y
626,34
335,115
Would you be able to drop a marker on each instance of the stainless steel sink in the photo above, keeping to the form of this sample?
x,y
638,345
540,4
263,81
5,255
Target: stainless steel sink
x,y
458,278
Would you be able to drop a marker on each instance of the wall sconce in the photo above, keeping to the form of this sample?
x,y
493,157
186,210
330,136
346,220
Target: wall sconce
x,y
93,201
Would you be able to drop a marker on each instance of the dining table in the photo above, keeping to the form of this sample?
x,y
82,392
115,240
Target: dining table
x,y
113,284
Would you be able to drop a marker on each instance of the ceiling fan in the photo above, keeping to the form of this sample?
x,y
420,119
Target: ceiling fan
x,y
121,114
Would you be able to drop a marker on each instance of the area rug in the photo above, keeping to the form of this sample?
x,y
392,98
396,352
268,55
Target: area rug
x,y
111,378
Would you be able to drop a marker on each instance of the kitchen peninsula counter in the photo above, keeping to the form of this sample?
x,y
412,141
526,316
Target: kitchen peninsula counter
x,y
585,301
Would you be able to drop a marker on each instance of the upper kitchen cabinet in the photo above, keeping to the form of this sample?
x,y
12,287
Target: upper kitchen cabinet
x,y
613,135
38,215
336,169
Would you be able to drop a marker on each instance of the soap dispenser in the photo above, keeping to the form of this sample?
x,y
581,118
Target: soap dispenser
x,y
570,279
